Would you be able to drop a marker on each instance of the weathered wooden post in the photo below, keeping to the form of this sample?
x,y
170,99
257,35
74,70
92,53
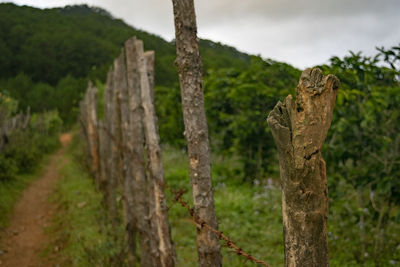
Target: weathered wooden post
x,y
156,171
142,195
124,157
92,134
112,152
103,154
196,130
299,128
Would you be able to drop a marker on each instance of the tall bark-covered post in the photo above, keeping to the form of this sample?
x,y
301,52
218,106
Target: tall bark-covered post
x,y
196,130
124,139
299,128
148,241
156,171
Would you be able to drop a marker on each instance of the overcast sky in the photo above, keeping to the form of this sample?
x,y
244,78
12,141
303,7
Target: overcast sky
x,y
301,32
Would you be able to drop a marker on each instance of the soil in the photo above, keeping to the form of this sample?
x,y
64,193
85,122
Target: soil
x,y
23,242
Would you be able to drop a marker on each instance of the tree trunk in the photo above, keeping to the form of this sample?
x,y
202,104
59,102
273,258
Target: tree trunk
x,y
156,171
299,128
149,242
196,130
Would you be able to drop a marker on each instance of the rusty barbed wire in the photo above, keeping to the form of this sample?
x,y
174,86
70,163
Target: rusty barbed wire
x,y
197,220
178,198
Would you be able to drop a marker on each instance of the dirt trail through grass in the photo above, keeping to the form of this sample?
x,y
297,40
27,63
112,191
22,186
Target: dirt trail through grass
x,y
24,240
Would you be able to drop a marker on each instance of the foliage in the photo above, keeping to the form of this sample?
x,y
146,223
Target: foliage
x,y
8,107
168,106
8,168
41,97
363,152
25,148
237,103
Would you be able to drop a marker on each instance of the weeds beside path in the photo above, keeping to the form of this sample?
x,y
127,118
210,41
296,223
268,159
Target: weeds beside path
x,y
23,241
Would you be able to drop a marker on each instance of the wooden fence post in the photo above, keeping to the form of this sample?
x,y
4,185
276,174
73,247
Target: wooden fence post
x,y
142,195
112,153
103,154
92,134
196,130
156,171
125,170
299,128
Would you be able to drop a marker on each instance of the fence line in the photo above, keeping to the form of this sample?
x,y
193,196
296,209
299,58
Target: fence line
x,y
114,145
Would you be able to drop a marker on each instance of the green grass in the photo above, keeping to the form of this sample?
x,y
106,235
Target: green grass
x,y
10,191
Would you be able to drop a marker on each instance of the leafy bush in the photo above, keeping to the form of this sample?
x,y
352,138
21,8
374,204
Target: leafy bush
x,y
8,168
237,103
363,156
25,148
23,151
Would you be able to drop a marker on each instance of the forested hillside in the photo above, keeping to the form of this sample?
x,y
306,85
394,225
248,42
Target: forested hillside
x,y
48,54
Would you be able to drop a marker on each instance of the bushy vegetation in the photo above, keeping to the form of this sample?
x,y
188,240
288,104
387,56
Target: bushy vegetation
x,y
362,151
25,148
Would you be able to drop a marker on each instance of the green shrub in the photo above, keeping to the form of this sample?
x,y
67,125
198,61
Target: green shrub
x,y
8,168
23,151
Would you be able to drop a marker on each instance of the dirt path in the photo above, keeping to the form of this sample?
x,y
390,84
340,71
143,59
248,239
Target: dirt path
x,y
24,240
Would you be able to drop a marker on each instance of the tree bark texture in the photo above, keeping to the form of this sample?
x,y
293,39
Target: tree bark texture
x,y
196,131
156,171
148,238
299,128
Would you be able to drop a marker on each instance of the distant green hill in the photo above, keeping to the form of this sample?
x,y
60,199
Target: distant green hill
x,y
47,55
82,41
